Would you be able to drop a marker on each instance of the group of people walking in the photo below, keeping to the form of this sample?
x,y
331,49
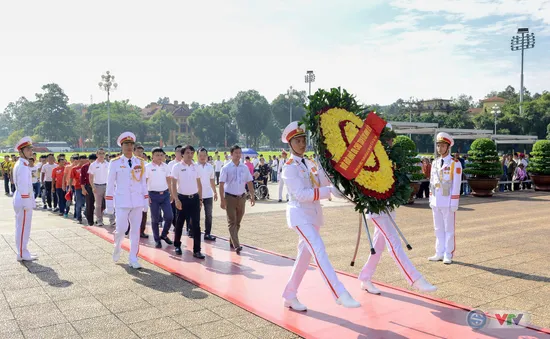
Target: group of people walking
x,y
180,189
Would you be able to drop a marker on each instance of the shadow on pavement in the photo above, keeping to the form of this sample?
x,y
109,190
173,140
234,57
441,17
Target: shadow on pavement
x,y
505,272
46,274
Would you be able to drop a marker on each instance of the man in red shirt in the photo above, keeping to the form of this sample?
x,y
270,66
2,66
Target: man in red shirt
x,y
87,189
74,181
57,183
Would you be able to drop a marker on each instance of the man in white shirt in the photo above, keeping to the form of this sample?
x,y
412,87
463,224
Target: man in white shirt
x,y
98,180
233,178
274,166
46,180
218,164
139,152
282,162
171,165
35,180
209,193
255,162
187,193
158,181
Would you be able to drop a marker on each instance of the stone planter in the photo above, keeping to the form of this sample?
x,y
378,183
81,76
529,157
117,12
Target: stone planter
x,y
416,187
541,182
483,187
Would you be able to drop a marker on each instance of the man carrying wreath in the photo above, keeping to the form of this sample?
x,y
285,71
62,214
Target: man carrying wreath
x,y
307,185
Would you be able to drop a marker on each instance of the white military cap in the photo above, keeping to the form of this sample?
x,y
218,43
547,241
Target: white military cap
x,y
389,126
24,142
125,137
445,137
291,131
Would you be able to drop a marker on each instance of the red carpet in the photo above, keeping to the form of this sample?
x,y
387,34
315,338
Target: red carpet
x,y
255,281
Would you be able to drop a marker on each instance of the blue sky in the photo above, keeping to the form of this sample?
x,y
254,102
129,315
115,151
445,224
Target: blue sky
x,y
208,51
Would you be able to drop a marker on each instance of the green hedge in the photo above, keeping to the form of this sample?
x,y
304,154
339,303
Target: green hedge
x,y
403,143
539,163
484,160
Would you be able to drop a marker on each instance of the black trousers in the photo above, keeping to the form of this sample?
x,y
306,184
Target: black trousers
x,y
90,205
190,208
49,194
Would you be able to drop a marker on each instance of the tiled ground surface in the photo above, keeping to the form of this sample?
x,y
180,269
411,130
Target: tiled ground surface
x,y
75,290
502,256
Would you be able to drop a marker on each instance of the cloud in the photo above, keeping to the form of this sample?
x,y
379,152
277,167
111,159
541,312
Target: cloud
x,y
208,51
478,9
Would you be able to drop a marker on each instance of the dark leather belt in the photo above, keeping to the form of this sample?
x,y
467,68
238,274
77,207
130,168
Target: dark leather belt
x,y
235,196
188,196
100,184
159,192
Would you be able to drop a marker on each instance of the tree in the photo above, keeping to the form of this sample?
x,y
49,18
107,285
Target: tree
x,y
231,130
14,137
280,108
57,120
548,132
273,133
252,112
124,117
209,125
161,124
163,101
462,103
22,115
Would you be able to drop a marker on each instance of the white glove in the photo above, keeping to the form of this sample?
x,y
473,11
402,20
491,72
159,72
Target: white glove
x,y
335,192
454,208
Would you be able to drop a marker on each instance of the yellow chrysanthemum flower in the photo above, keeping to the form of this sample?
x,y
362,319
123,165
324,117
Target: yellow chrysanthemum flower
x,y
379,181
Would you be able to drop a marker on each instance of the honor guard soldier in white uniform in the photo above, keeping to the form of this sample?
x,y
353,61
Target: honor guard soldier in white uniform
x,y
307,185
445,181
385,235
127,194
23,199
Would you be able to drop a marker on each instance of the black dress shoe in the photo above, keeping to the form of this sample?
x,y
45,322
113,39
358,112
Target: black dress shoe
x,y
239,249
158,244
167,240
209,237
190,234
199,255
231,245
178,250
144,236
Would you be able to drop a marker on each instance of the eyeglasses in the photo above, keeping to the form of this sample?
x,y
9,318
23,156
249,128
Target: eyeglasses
x,y
101,153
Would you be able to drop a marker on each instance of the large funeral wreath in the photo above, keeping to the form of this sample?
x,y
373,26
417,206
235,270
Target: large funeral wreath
x,y
334,119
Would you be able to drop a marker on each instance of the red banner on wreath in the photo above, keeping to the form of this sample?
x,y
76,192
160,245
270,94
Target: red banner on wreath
x,y
361,147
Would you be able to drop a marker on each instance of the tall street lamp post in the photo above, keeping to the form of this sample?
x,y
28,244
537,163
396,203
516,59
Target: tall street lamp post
x,y
522,42
107,84
309,78
290,95
495,111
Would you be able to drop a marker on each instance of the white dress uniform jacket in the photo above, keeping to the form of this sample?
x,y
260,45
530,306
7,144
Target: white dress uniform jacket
x,y
23,204
124,190
445,182
306,187
22,178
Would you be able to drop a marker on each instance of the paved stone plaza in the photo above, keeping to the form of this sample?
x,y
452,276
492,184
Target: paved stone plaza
x,y
75,290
